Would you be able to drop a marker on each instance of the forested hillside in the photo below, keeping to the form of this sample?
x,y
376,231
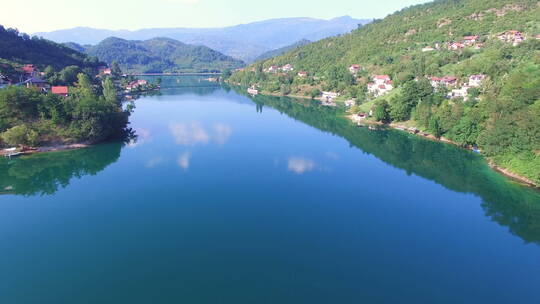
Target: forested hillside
x,y
162,55
429,43
22,49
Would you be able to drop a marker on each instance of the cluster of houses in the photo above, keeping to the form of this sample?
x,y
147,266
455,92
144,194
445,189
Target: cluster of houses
x,y
511,36
134,85
31,79
380,85
456,91
275,69
468,41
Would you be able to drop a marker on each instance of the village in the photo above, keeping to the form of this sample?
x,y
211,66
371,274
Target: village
x,y
31,77
380,85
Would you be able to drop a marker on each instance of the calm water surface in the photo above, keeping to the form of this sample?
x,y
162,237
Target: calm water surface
x,y
227,199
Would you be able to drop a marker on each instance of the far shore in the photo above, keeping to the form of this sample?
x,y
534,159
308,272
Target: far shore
x,y
173,74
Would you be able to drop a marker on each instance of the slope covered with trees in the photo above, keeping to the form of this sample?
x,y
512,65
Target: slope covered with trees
x,y
162,55
500,116
90,113
21,49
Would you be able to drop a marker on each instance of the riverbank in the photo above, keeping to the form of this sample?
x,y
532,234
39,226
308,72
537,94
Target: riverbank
x,y
44,149
506,172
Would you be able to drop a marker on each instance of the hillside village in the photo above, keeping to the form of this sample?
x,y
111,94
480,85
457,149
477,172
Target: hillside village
x,y
380,85
463,73
30,76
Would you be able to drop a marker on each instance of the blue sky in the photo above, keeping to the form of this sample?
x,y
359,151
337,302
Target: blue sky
x,y
46,15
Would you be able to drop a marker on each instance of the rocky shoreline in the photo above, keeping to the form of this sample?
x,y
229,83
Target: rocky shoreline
x,y
45,149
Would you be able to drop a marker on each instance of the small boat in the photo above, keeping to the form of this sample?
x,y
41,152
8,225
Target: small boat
x,y
253,91
13,154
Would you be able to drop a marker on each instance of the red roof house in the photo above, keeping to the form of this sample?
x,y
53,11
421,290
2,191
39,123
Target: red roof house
x,y
355,68
60,90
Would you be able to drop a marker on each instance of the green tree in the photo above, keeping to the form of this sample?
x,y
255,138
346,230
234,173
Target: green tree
x,y
381,112
116,71
109,91
68,75
20,135
84,86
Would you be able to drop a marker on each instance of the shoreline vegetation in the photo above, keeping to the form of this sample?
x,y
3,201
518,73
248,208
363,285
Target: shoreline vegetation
x,y
422,134
505,171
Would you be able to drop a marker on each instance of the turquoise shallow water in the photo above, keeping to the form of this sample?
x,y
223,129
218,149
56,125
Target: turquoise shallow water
x,y
227,199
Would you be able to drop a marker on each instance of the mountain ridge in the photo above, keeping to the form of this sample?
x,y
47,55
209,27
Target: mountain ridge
x,y
161,54
243,41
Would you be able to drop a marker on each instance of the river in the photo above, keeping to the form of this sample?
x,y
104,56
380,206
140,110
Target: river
x,y
225,198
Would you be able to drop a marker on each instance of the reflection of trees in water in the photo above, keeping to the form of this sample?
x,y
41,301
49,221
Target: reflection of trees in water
x,y
46,173
180,85
200,91
506,203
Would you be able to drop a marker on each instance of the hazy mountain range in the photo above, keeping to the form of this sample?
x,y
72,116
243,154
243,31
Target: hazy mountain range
x,y
245,41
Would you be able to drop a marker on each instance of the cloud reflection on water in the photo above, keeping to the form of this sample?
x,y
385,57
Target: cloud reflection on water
x,y
300,165
183,160
194,133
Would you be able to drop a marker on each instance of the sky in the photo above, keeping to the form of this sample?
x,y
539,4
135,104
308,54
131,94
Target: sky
x,y
32,16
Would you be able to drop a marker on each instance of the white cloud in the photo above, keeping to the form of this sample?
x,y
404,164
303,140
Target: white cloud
x,y
183,160
222,133
189,134
300,165
154,162
192,134
332,155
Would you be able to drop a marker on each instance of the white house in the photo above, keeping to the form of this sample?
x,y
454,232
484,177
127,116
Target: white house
x,y
470,40
273,69
354,69
512,36
459,93
446,81
476,80
381,85
287,68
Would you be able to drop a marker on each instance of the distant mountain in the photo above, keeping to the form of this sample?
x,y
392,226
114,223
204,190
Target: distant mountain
x,y
283,50
246,41
161,55
77,47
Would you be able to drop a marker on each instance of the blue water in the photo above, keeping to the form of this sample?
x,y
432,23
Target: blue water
x,y
226,199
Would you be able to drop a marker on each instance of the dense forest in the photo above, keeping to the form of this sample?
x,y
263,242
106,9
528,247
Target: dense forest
x,y
500,116
162,55
20,48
